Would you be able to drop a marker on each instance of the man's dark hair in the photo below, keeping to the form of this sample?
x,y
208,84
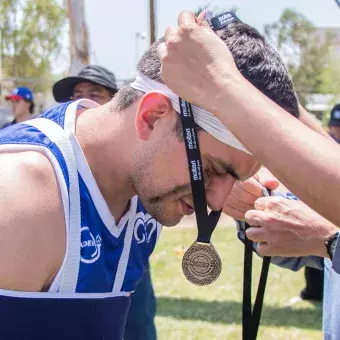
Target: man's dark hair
x,y
257,61
31,108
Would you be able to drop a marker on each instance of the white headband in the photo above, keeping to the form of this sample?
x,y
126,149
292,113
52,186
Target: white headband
x,y
203,118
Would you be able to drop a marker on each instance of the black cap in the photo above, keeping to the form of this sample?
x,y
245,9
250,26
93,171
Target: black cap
x,y
63,89
335,116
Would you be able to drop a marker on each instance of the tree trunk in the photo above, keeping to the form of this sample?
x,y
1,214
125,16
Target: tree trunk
x,y
79,46
152,21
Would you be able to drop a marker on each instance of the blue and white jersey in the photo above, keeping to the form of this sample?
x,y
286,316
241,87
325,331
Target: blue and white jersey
x,y
104,260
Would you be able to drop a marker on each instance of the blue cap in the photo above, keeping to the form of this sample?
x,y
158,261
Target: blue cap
x,y
21,93
335,116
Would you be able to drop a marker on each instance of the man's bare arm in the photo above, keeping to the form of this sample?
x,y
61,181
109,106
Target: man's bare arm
x,y
303,160
198,67
312,123
32,225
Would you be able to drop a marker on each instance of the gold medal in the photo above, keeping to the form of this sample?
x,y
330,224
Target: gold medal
x,y
201,264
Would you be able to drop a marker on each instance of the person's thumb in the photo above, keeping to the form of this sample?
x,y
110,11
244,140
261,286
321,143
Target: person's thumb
x,y
202,19
267,179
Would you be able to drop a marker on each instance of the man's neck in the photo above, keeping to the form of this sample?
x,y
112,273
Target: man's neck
x,y
23,117
104,138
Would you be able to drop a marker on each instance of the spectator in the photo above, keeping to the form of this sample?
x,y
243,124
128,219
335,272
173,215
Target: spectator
x,y
92,82
334,123
22,105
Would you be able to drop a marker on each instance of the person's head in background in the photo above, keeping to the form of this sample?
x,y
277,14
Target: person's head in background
x,y
22,104
92,82
334,123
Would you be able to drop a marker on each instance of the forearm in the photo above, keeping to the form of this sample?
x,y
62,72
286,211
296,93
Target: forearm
x,y
312,123
303,160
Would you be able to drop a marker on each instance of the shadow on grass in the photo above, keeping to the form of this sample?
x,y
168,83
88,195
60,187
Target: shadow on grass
x,y
228,312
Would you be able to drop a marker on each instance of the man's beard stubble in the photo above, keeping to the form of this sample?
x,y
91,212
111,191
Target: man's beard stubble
x,y
156,204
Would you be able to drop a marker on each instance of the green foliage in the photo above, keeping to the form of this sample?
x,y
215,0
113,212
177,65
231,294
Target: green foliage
x,y
30,31
308,56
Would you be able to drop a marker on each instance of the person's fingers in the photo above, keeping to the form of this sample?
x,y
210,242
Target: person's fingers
x,y
267,179
252,186
162,50
271,184
235,203
186,19
256,234
170,33
234,213
261,203
256,218
264,249
273,203
243,195
202,20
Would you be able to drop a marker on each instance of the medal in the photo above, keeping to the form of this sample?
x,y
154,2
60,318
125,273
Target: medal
x,y
201,264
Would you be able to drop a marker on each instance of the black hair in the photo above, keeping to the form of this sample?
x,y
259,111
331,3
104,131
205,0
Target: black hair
x,y
257,61
32,106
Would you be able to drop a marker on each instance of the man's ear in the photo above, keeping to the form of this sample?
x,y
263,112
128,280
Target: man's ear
x,y
153,106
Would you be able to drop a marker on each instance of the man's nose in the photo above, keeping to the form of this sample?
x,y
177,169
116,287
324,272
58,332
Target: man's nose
x,y
218,190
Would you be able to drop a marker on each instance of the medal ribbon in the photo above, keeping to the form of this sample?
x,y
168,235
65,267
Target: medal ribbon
x,y
205,223
251,317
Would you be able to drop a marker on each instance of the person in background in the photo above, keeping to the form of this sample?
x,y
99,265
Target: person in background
x,y
22,105
92,82
334,123
99,84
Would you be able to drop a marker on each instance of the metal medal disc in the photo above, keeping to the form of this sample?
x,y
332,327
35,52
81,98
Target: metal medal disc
x,y
201,264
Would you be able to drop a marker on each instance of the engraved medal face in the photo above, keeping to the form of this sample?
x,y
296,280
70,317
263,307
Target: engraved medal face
x,y
201,264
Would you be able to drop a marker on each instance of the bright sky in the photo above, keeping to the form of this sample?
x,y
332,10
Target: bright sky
x,y
113,24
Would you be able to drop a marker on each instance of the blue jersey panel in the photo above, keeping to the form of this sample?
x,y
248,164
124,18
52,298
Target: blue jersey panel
x,y
101,251
146,232
56,113
62,318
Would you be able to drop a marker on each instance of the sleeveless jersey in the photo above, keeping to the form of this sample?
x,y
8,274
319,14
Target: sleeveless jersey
x,y
104,260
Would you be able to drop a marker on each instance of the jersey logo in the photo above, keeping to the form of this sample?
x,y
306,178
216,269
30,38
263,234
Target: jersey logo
x,y
145,226
90,246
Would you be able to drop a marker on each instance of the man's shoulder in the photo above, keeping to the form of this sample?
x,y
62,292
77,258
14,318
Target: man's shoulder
x,y
31,205
28,181
25,165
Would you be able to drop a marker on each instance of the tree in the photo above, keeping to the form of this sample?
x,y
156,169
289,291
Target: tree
x,y
30,30
79,48
307,55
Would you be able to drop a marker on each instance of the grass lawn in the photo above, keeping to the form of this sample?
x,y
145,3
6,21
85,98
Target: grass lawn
x,y
185,311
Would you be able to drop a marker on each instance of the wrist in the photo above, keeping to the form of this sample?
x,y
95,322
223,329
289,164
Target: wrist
x,y
331,243
227,94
